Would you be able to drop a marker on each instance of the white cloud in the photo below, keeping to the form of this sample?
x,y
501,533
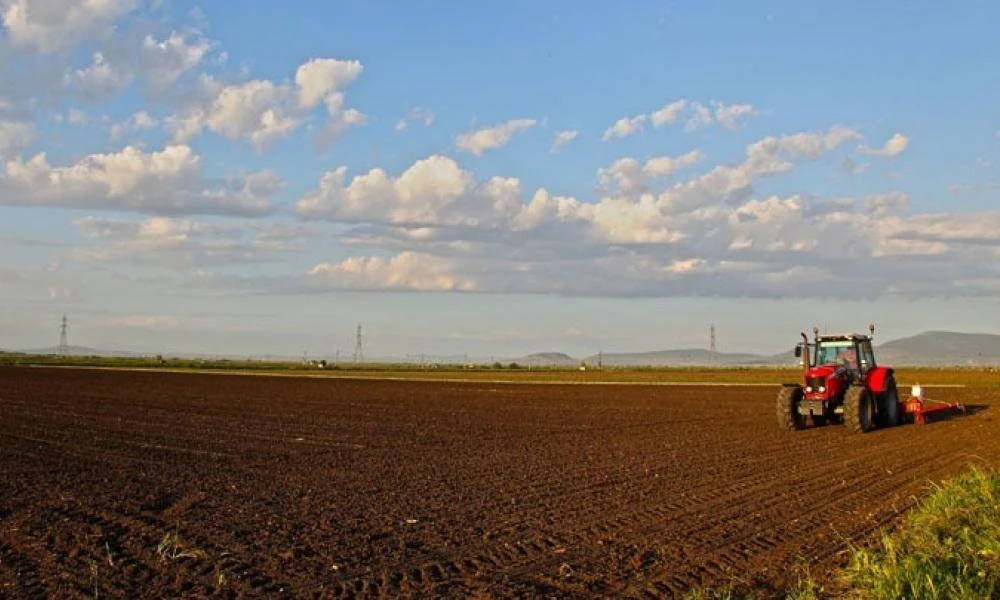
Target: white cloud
x,y
170,181
99,81
562,138
138,121
14,135
316,79
263,111
697,115
669,114
624,127
647,235
52,25
884,205
729,115
627,176
417,114
701,116
433,191
479,141
405,271
895,146
182,242
162,63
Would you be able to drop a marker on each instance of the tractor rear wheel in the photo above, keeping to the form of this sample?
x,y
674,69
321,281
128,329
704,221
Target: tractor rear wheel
x,y
859,409
888,407
788,408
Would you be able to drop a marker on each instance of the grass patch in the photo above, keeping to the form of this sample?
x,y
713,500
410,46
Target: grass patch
x,y
172,547
948,547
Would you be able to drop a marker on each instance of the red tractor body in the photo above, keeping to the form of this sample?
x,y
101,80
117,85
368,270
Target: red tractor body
x,y
841,383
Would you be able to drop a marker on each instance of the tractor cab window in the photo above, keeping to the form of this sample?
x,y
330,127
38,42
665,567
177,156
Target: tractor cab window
x,y
835,352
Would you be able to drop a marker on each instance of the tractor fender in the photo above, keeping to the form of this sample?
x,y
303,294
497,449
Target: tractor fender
x,y
876,379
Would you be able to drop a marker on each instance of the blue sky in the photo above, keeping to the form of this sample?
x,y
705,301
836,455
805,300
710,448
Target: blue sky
x,y
258,178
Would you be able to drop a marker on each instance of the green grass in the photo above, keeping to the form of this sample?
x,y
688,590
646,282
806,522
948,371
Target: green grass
x,y
948,547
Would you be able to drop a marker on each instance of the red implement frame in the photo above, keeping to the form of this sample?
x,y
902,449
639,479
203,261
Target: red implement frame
x,y
918,408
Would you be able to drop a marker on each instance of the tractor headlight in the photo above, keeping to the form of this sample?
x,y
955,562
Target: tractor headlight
x,y
809,388
822,389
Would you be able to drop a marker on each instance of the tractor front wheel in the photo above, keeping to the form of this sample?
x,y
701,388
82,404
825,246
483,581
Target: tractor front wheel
x,y
859,409
787,407
889,404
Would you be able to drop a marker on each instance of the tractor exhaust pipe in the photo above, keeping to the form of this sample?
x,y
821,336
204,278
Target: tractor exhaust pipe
x,y
805,352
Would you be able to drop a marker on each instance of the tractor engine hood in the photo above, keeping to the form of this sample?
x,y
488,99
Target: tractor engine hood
x,y
823,371
824,382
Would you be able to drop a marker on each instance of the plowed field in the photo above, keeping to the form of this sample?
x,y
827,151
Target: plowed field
x,y
144,484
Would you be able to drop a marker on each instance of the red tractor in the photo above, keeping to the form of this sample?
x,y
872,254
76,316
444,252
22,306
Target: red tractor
x,y
843,384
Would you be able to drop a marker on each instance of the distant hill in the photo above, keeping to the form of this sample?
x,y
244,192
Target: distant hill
x,y
679,358
942,348
82,351
931,348
548,359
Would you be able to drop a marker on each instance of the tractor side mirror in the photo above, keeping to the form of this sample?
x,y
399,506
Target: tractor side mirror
x,y
798,352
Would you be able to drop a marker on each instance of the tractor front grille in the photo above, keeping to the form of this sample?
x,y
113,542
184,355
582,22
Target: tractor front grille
x,y
814,383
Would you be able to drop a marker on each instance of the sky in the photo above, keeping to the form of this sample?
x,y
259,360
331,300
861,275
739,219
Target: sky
x,y
494,178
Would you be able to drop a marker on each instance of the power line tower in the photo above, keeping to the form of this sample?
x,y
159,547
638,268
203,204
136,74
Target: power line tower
x,y
359,351
711,344
64,337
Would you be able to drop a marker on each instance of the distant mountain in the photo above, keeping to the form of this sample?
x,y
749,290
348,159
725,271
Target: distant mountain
x,y
931,348
548,359
82,351
679,358
941,348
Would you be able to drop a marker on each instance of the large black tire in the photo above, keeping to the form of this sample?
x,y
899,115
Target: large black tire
x,y
888,404
788,408
859,409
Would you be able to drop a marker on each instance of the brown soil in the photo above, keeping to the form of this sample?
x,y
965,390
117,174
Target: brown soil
x,y
141,484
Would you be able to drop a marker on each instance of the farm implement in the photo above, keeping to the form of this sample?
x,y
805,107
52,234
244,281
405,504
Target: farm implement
x,y
917,407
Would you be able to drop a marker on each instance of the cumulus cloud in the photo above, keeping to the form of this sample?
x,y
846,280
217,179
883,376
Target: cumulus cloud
x,y
14,135
137,122
156,64
433,191
407,271
490,138
100,80
316,79
52,25
669,114
895,146
648,235
624,127
694,115
562,138
627,176
167,182
262,111
729,115
184,242
163,62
